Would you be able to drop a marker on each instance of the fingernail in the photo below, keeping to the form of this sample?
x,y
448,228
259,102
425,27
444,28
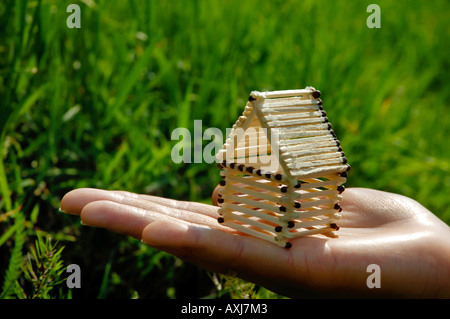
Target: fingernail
x,y
61,211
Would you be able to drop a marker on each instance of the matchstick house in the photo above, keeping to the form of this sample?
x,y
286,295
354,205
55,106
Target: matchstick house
x,y
282,169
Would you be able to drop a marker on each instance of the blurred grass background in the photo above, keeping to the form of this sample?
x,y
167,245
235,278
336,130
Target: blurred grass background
x,y
95,107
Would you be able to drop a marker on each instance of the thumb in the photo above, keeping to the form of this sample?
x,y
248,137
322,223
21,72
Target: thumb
x,y
215,195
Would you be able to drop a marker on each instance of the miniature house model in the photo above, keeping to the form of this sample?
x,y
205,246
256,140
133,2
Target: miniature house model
x,y
282,169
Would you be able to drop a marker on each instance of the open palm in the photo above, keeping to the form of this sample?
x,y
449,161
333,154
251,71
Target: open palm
x,y
410,245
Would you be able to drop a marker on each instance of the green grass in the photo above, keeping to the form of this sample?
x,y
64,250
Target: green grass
x,y
96,107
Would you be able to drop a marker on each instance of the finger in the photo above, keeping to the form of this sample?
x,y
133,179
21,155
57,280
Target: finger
x,y
74,201
195,207
102,212
209,247
120,218
249,258
115,217
189,211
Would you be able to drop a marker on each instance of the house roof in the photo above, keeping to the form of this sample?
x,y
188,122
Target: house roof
x,y
285,132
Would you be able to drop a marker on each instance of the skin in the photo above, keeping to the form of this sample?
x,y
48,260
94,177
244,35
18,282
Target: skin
x,y
408,242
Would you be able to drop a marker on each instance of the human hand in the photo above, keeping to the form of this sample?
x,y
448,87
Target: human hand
x,y
409,244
